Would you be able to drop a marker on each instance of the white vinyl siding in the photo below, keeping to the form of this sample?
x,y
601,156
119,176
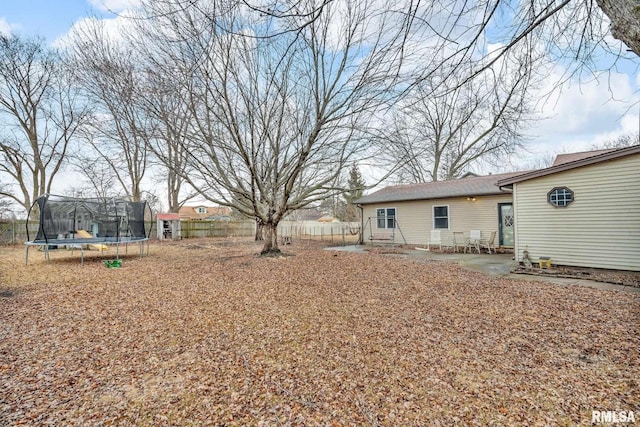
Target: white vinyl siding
x,y
600,228
415,218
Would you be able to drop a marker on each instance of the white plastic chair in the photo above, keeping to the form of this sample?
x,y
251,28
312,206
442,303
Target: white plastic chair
x,y
435,239
473,241
459,241
489,243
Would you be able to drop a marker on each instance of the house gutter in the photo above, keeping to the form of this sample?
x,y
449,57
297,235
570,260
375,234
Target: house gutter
x,y
361,239
439,197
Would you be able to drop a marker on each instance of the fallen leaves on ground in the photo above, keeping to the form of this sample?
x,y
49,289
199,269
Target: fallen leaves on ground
x,y
204,332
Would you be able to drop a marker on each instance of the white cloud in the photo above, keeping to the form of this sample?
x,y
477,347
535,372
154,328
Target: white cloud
x,y
580,115
113,28
114,5
6,28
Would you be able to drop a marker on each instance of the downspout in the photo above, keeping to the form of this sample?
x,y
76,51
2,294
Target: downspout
x,y
361,238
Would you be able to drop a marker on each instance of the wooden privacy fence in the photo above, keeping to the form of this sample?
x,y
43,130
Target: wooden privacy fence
x,y
189,229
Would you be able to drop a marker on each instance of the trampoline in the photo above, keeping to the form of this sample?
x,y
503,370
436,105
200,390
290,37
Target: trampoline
x,y
77,223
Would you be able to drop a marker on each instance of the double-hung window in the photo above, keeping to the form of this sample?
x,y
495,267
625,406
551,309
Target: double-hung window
x,y
441,217
386,217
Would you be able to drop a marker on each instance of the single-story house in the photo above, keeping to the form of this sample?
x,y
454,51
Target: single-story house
x,y
407,213
205,213
582,211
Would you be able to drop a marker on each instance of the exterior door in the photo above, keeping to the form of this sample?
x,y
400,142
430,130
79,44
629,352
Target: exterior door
x,y
505,216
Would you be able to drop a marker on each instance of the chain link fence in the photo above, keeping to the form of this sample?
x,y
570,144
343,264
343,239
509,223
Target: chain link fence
x,y
337,233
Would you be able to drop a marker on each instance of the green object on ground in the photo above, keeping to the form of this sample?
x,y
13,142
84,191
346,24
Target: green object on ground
x,y
113,263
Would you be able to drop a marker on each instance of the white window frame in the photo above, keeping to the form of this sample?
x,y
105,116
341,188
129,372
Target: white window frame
x,y
201,210
433,215
386,217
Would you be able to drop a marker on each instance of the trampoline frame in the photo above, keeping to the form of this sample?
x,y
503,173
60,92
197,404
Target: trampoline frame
x,y
78,244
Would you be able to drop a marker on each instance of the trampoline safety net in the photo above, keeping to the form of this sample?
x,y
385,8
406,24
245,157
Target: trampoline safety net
x,y
95,219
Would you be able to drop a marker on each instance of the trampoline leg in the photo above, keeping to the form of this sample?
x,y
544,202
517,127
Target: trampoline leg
x,y
117,251
26,260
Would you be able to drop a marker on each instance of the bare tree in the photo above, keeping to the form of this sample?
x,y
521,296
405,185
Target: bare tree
x,y
119,129
625,21
168,109
40,114
435,137
467,40
572,31
99,180
5,204
277,119
626,140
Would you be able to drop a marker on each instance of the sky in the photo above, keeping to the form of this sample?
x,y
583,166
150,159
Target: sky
x,y
581,115
50,18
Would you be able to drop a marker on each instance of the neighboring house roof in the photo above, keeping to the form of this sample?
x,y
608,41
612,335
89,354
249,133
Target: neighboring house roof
x,y
463,187
202,212
572,157
306,214
328,218
602,156
168,216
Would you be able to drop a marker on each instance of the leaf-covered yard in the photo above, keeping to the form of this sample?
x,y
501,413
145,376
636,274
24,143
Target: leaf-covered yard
x,y
203,332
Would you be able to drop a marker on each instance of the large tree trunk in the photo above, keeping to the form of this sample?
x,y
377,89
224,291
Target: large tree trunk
x,y
270,240
625,21
259,230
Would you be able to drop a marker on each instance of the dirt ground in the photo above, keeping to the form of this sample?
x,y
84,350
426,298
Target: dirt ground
x,y
204,332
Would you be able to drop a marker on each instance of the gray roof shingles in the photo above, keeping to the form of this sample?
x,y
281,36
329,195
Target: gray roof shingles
x,y
572,157
463,187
